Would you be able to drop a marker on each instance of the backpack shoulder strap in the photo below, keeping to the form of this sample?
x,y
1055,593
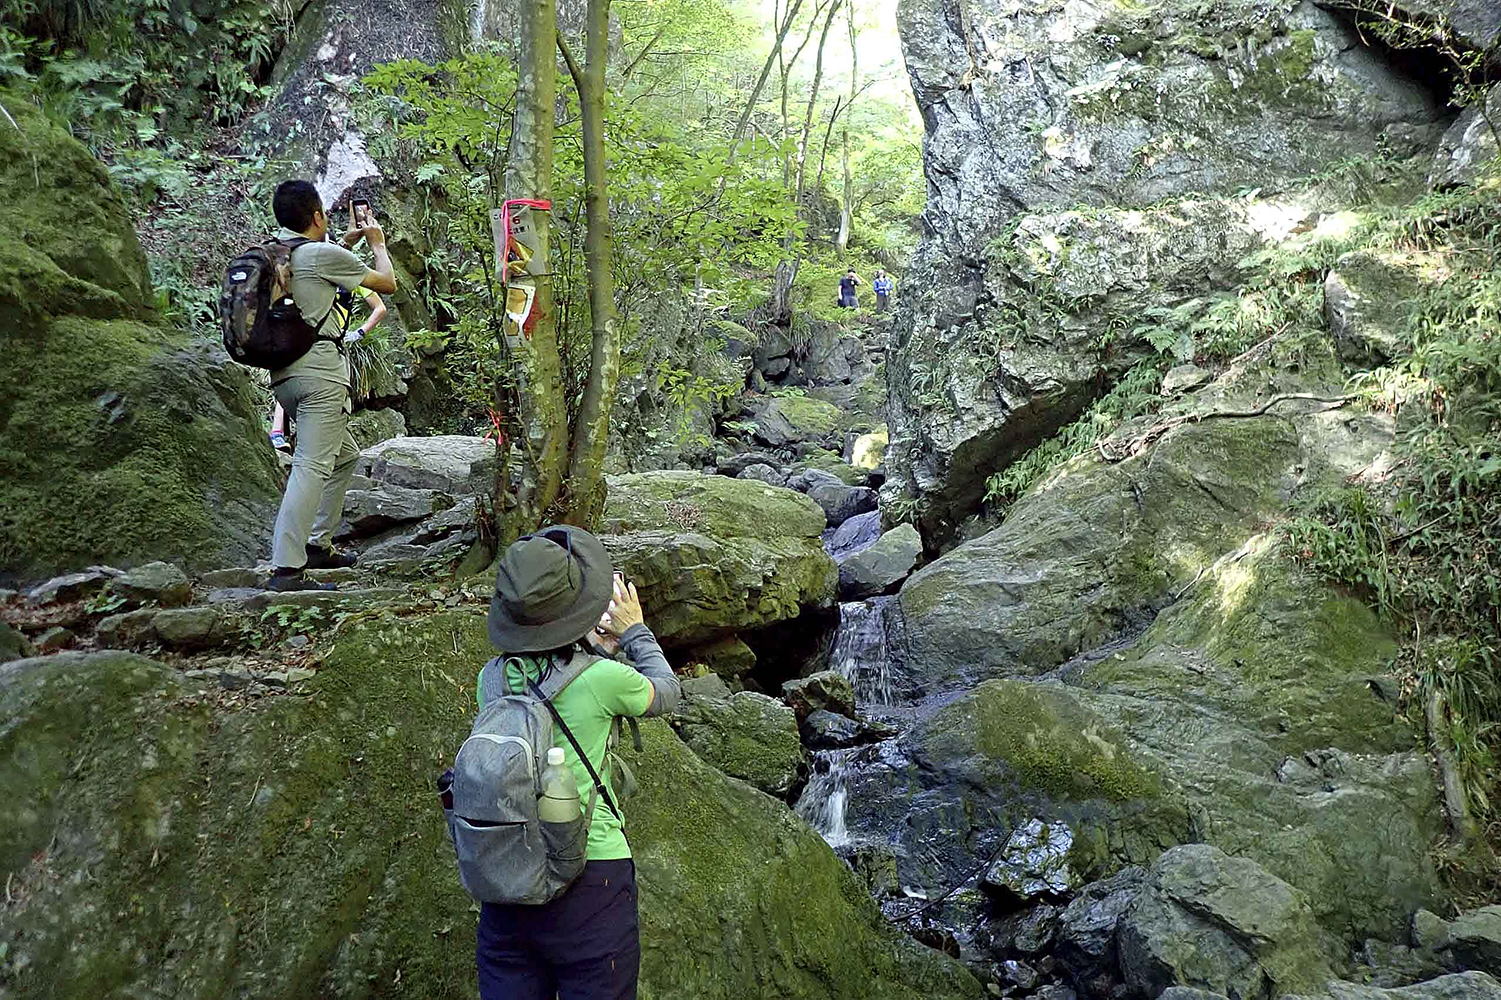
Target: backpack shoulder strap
x,y
561,675
492,680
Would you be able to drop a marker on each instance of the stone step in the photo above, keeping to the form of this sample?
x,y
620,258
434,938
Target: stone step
x,y
324,600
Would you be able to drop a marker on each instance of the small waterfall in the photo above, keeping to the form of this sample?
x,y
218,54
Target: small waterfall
x,y
823,802
860,654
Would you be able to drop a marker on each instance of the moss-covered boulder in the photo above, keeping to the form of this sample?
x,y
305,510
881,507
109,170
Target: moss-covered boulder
x,y
994,760
121,441
747,736
790,420
293,847
712,555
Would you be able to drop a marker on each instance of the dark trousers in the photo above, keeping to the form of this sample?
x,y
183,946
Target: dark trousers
x,y
882,300
584,945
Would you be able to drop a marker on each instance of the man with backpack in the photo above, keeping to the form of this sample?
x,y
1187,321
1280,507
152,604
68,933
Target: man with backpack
x,y
314,388
558,899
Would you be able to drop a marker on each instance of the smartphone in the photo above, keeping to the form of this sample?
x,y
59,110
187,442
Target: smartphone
x,y
359,210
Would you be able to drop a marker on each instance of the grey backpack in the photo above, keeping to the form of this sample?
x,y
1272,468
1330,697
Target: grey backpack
x,y
506,853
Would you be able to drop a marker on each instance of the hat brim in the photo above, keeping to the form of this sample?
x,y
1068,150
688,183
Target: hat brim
x,y
511,636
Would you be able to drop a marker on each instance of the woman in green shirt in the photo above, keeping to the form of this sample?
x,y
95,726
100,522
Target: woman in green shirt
x,y
555,591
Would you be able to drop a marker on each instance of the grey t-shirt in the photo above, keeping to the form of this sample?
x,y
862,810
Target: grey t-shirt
x,y
317,269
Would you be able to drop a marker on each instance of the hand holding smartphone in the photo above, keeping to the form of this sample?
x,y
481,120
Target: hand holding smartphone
x,y
624,610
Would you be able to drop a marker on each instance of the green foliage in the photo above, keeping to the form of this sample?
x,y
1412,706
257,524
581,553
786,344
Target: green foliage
x,y
1133,396
122,72
1425,547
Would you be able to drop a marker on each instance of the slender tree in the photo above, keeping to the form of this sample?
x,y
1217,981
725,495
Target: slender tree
x,y
537,369
802,143
755,95
846,207
585,500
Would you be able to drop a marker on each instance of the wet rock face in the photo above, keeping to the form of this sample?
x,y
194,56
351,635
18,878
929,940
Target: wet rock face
x,y
1031,109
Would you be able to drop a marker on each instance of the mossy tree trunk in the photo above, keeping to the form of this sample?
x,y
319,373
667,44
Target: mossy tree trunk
x,y
542,409
585,497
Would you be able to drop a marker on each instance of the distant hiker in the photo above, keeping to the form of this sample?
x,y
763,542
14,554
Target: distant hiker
x,y
882,287
343,306
847,286
565,923
314,389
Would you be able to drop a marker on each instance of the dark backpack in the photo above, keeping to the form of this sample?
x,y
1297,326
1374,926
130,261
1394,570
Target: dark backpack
x,y
263,327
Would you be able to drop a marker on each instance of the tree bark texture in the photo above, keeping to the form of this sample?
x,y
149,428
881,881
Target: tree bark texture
x,y
585,500
538,368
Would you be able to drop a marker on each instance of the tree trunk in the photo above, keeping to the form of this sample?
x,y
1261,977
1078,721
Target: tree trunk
x,y
802,144
537,367
846,208
787,66
585,499
750,105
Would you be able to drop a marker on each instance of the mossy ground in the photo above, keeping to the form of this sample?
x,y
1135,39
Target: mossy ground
x,y
295,848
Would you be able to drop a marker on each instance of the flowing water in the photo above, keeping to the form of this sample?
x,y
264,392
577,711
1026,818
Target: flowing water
x,y
826,797
860,655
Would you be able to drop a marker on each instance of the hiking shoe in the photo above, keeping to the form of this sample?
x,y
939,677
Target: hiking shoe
x,y
280,443
284,581
319,557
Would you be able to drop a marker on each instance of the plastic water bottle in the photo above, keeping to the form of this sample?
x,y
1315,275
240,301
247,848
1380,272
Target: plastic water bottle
x,y
560,791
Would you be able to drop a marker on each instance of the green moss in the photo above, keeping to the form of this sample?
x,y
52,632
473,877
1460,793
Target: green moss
x,y
293,847
1287,655
811,416
119,441
718,506
826,461
1055,745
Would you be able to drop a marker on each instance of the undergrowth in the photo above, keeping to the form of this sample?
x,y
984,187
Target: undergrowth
x,y
1423,544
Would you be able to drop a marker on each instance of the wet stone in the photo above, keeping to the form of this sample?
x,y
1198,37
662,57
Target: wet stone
x,y
1035,862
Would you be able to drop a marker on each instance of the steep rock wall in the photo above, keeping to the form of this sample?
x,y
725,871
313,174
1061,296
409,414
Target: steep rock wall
x,y
1030,108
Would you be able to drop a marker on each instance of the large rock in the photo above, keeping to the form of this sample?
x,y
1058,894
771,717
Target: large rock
x,y
1087,928
367,512
371,427
1468,146
1475,939
121,440
1463,986
1030,109
13,644
451,463
310,846
788,420
713,555
1211,921
1098,545
880,566
1047,105
747,736
841,502
1369,299
1249,716
827,689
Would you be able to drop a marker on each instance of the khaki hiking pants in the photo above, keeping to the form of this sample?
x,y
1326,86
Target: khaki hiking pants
x,y
322,466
